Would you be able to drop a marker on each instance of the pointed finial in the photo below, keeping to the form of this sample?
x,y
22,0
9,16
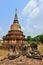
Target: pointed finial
x,y
16,13
16,17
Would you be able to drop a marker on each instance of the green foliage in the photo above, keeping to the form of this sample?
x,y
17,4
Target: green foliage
x,y
41,38
29,39
38,38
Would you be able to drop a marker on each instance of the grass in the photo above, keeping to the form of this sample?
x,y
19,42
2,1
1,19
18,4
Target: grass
x,y
0,44
3,52
40,47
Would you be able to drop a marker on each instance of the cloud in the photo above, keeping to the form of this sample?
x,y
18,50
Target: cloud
x,y
32,14
38,27
29,7
22,28
35,12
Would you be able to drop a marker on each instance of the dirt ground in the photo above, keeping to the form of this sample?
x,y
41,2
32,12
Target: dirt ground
x,y
22,61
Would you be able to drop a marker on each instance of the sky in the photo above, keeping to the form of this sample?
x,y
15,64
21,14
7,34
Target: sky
x,y
30,15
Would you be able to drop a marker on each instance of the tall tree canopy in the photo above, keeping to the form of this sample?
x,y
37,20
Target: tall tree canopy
x,y
38,38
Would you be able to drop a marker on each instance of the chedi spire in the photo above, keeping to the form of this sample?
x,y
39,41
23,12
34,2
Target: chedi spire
x,y
16,17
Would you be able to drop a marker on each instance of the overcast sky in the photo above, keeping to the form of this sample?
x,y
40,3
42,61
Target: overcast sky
x,y
30,15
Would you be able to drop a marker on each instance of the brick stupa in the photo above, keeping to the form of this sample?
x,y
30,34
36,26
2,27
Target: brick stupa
x,y
15,35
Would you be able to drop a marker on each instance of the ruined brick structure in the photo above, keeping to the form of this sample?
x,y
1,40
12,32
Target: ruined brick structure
x,y
15,35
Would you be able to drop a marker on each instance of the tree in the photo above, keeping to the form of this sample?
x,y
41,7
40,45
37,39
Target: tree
x,y
38,38
41,38
29,39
